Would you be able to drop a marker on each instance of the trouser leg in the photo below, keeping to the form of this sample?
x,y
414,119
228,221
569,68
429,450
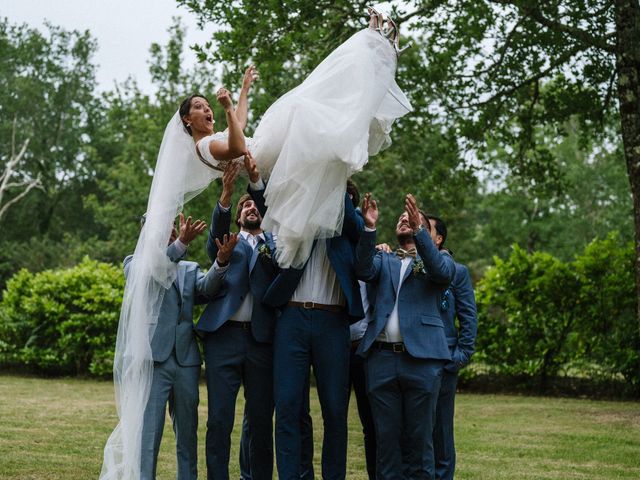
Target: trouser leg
x,y
290,373
357,375
184,410
443,439
258,390
154,415
224,356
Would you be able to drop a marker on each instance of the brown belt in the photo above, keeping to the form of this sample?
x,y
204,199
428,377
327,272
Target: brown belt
x,y
318,306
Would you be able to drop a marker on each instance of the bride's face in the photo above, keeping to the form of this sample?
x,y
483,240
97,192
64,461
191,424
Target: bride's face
x,y
200,116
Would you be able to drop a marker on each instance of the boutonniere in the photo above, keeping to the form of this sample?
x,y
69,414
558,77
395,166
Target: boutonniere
x,y
264,250
418,267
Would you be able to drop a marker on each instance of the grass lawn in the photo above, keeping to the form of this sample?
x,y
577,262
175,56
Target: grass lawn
x,y
56,429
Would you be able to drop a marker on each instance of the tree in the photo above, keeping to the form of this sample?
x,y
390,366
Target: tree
x,y
498,69
46,99
22,185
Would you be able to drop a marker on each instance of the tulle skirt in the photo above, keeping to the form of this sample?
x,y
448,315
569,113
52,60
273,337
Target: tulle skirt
x,y
317,135
314,137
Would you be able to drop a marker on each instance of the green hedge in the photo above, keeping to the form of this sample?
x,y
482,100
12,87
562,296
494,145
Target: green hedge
x,y
62,321
540,317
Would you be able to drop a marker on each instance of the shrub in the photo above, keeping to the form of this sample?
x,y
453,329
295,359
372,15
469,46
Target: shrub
x,y
62,321
525,306
539,315
609,340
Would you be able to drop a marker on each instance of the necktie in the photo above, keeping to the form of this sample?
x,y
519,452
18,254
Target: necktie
x,y
401,253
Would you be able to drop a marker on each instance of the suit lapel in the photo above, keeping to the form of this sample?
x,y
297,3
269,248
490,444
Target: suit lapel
x,y
182,270
394,268
256,253
254,258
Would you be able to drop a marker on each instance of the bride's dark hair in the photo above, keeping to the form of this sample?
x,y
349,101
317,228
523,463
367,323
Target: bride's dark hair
x,y
185,107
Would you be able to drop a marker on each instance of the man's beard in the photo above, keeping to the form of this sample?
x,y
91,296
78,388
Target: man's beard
x,y
251,224
404,238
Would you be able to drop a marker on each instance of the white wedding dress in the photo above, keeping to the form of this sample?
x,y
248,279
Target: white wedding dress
x,y
317,135
307,145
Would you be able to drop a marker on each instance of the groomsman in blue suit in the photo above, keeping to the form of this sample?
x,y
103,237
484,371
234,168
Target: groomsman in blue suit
x,y
318,302
458,302
176,358
405,344
238,333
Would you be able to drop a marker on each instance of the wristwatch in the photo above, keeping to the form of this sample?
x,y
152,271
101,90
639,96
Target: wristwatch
x,y
419,229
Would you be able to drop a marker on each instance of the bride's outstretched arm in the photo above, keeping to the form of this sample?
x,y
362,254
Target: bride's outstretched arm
x,y
235,146
242,110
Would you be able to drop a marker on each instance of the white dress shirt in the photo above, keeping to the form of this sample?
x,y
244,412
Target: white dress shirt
x,y
391,332
319,283
243,314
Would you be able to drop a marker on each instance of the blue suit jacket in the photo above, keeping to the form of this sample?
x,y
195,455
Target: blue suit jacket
x,y
175,319
248,270
421,324
461,302
341,253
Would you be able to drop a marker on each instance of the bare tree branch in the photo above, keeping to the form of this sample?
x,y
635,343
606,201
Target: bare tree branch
x,y
34,183
10,171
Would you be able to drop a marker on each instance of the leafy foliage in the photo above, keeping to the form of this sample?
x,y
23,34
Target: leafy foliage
x,y
62,321
540,315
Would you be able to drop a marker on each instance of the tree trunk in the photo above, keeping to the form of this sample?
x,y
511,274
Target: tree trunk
x,y
627,14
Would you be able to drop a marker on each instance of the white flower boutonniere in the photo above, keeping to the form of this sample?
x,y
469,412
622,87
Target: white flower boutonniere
x,y
418,267
264,250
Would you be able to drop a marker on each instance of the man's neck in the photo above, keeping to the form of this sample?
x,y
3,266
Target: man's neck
x,y
255,232
407,244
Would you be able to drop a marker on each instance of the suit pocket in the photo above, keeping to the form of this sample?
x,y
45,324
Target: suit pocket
x,y
433,320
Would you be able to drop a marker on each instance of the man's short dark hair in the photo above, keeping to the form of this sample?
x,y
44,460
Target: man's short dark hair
x,y
352,189
441,227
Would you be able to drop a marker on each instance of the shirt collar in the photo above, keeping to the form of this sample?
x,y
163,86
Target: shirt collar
x,y
246,235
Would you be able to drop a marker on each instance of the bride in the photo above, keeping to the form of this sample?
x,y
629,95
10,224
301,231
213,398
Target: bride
x,y
306,145
317,135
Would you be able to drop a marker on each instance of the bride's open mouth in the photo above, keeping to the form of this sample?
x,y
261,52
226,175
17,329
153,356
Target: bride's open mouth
x,y
209,118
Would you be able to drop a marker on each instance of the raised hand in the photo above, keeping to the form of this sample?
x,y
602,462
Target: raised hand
x,y
369,211
228,181
251,74
224,98
188,230
411,206
225,248
251,167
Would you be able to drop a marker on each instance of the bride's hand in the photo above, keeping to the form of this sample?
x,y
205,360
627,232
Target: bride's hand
x,y
224,98
251,74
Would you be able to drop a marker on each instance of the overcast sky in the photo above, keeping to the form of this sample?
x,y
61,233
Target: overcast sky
x,y
124,29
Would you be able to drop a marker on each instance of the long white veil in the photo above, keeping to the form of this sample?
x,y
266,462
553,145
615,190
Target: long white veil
x,y
178,177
